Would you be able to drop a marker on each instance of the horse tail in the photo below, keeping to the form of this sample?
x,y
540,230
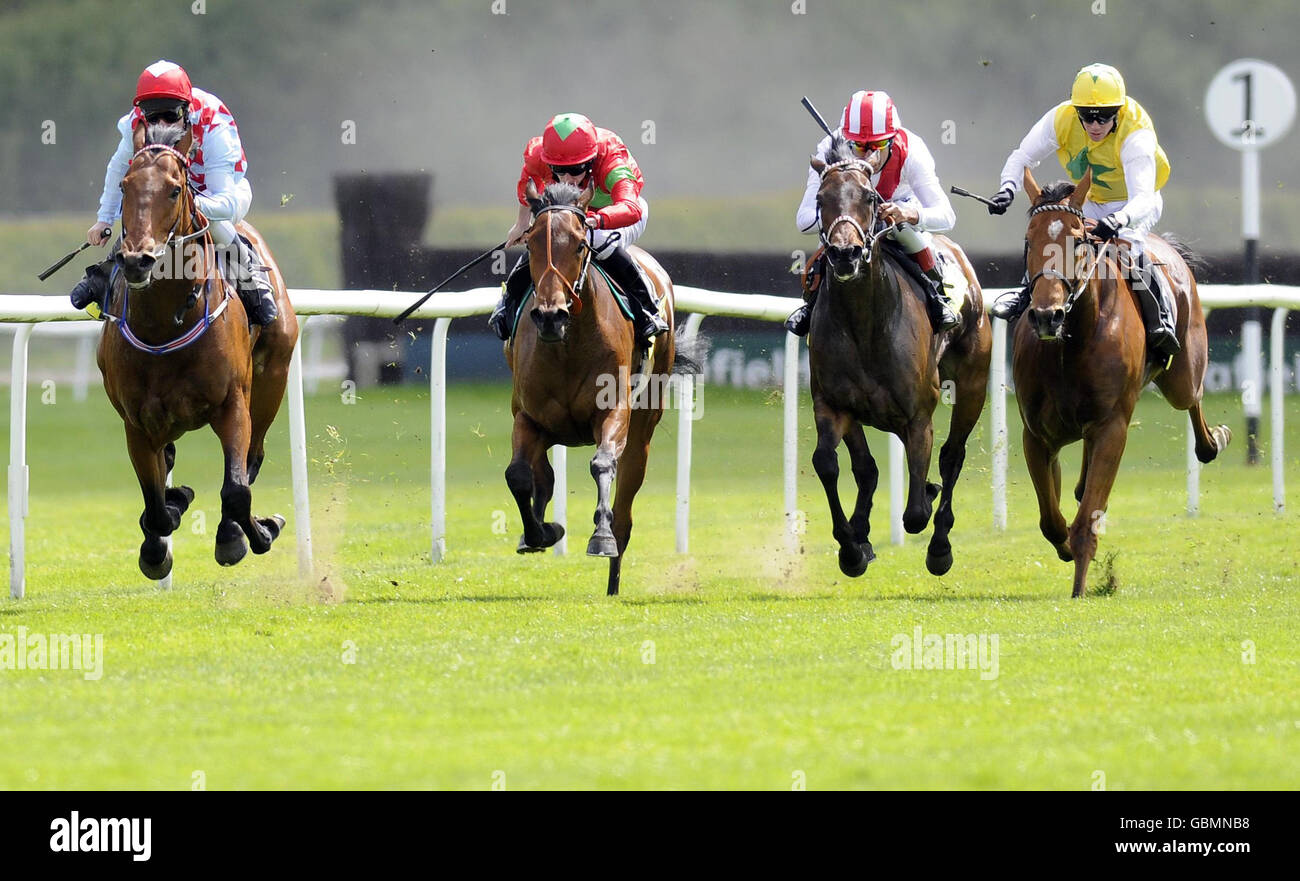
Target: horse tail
x,y
1195,262
690,353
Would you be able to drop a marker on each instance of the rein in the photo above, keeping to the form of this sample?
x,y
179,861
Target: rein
x,y
575,300
1080,284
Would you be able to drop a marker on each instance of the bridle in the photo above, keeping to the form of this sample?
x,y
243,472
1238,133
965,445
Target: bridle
x,y
161,250
574,289
872,198
1080,284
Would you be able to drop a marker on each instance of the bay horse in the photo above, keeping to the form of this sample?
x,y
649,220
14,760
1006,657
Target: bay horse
x,y
572,363
177,354
876,361
1080,362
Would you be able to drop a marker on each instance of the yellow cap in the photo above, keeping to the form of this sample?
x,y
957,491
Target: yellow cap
x,y
1098,85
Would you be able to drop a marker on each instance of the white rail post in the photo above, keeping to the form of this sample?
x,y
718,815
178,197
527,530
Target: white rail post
x,y
165,583
897,472
1277,403
18,462
298,462
438,438
998,406
560,463
790,469
685,420
84,365
1193,473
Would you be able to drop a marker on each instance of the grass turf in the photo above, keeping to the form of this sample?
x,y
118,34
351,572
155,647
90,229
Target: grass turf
x,y
741,664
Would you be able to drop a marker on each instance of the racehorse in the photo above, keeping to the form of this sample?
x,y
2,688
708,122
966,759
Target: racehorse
x,y
177,354
875,361
1080,361
573,363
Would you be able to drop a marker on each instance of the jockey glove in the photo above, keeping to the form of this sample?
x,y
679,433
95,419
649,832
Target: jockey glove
x,y
1002,200
1109,227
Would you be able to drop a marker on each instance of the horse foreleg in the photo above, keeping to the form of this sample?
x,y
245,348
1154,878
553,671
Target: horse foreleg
x,y
1106,446
919,443
159,518
832,425
612,434
528,445
969,403
232,426
1041,461
866,474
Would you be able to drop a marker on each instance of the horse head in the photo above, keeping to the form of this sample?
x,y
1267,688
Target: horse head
x,y
155,197
847,203
1057,253
556,242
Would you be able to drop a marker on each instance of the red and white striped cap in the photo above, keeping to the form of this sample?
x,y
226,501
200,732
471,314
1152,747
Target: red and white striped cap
x,y
870,116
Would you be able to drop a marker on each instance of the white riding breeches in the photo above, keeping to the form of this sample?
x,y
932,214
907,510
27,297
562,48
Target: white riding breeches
x,y
604,240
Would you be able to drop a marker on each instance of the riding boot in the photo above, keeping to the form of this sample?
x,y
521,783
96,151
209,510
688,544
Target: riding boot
x,y
627,274
513,292
1008,307
1157,307
801,319
92,290
254,285
937,305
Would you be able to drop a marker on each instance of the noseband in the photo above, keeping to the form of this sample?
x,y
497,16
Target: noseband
x,y
872,198
575,301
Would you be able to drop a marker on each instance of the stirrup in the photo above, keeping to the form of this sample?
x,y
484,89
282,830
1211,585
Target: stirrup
x,y
799,321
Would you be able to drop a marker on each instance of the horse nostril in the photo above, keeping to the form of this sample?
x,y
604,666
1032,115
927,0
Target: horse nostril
x,y
1058,317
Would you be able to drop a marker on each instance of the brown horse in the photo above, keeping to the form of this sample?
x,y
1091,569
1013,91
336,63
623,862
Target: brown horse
x,y
1080,361
176,352
572,364
875,361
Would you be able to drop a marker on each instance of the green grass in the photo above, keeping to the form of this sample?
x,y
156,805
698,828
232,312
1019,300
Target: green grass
x,y
766,662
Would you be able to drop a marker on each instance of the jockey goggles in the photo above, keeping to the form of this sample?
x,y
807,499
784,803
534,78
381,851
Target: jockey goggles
x,y
1096,115
572,170
863,147
162,110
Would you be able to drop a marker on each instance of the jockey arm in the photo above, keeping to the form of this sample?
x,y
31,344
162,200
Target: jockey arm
x,y
1037,145
1138,156
110,201
928,198
806,218
222,198
624,210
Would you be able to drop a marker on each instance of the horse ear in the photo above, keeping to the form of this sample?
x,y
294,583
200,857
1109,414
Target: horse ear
x,y
1081,190
186,143
1032,189
588,194
530,193
817,165
137,136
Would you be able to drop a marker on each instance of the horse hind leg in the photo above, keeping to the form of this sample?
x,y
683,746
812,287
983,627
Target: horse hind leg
x,y
1044,471
237,520
631,474
919,444
1105,451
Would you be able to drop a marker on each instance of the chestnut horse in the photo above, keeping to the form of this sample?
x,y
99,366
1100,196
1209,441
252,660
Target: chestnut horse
x,y
875,361
1080,362
572,363
176,352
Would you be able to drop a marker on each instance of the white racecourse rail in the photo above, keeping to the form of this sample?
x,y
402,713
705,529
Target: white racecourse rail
x,y
28,311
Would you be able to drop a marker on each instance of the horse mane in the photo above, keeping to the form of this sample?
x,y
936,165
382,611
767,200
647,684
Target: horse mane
x,y
839,150
168,134
561,194
1056,192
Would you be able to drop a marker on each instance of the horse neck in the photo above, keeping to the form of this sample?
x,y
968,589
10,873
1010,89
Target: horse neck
x,y
869,301
1099,298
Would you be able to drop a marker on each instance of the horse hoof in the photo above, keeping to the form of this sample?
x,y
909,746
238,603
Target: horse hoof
x,y
602,546
525,548
157,571
231,552
553,532
938,564
854,559
273,524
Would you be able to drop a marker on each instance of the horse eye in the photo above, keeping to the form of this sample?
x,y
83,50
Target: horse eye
x,y
176,191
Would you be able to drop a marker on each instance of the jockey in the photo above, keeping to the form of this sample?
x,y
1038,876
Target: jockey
x,y
571,150
1103,128
914,199
216,173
